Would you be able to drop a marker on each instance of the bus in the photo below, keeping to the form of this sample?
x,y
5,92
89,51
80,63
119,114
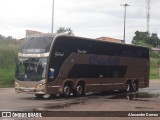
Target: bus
x,y
61,64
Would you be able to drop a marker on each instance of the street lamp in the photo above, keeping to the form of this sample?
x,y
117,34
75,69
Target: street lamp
x,y
125,6
52,17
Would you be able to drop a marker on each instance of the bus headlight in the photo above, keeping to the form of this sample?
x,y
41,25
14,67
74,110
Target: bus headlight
x,y
40,85
16,84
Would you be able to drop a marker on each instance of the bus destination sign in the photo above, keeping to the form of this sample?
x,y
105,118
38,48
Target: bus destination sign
x,y
33,50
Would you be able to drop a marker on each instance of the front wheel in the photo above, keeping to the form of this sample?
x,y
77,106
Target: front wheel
x,y
52,96
135,87
39,95
128,87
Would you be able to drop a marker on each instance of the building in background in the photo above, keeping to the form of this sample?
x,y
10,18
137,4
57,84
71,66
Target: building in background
x,y
110,39
32,32
29,33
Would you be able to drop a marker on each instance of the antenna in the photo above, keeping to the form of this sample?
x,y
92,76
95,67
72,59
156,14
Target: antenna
x,y
148,7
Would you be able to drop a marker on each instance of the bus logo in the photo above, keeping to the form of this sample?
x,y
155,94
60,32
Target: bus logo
x,y
95,59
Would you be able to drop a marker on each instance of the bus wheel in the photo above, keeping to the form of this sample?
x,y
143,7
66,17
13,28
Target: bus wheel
x,y
128,87
39,95
80,90
135,87
66,90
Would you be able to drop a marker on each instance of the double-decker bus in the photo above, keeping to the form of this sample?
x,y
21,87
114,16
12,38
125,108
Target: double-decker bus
x,y
64,64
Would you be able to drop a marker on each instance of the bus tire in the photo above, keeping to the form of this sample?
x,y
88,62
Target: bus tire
x,y
80,90
66,90
39,95
135,86
128,87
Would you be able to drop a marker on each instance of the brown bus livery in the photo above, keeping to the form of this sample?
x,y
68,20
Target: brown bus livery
x,y
69,64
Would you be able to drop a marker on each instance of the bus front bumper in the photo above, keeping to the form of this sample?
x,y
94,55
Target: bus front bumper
x,y
29,90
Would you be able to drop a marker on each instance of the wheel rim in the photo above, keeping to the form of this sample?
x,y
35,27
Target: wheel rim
x,y
79,90
134,86
127,87
66,91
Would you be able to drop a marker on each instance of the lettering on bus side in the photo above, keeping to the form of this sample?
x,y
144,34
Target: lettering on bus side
x,y
95,59
82,51
59,54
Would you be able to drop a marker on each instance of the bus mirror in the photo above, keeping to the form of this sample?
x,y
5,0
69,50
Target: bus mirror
x,y
51,74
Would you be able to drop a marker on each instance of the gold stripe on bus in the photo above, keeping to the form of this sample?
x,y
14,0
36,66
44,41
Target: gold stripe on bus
x,y
118,83
55,86
104,84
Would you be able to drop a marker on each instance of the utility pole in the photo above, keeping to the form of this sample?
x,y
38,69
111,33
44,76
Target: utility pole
x,y
148,2
125,6
52,17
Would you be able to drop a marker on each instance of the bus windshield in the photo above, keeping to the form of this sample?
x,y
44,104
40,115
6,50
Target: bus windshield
x,y
31,69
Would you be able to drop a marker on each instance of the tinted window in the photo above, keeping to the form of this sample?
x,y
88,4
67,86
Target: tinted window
x,y
96,71
36,45
72,44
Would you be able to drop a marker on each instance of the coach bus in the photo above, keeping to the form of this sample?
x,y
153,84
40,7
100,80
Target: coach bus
x,y
62,64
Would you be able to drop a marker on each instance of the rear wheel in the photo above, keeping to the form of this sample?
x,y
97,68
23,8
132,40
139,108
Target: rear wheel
x,y
66,90
135,86
39,95
80,90
128,87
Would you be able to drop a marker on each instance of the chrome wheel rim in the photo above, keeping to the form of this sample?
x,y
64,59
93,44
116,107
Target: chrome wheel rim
x,y
134,87
79,89
66,91
127,87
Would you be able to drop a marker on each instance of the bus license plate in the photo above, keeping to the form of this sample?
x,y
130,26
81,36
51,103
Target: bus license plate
x,y
27,90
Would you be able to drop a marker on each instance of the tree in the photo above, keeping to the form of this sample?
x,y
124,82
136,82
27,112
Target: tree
x,y
140,36
154,40
145,38
64,30
8,39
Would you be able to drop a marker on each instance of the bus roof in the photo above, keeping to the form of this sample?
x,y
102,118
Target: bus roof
x,y
90,39
35,43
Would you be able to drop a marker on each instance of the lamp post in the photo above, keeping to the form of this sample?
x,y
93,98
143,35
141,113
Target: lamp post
x,y
52,17
125,6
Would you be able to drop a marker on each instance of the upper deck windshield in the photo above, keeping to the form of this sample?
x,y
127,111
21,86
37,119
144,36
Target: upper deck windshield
x,y
36,44
31,69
